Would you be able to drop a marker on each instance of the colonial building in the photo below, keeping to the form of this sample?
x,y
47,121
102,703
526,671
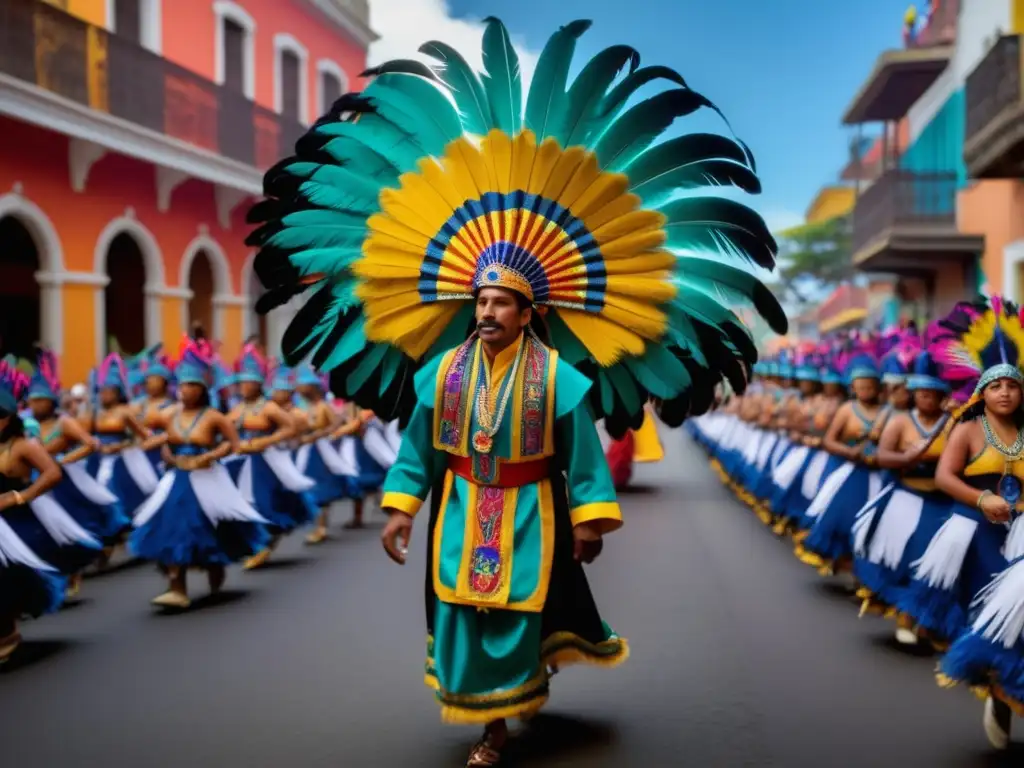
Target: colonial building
x,y
905,219
135,134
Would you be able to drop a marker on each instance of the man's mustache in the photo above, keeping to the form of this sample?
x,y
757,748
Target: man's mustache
x,y
489,325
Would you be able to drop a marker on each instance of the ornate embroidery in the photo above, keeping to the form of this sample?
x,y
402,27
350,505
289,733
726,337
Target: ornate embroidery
x,y
534,375
453,407
485,467
487,570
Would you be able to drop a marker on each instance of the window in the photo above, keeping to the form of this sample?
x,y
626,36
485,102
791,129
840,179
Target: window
x,y
331,84
234,56
235,48
291,80
128,20
291,84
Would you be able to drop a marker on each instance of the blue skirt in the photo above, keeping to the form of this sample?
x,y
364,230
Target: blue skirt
x,y
284,510
884,580
175,531
105,522
830,539
371,474
329,486
123,485
67,558
26,591
943,611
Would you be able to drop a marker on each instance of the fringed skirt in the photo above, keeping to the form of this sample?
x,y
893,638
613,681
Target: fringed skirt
x,y
197,519
273,485
989,654
322,464
92,505
962,557
890,534
29,586
129,476
843,495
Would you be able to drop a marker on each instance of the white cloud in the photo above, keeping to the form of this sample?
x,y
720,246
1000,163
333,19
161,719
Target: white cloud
x,y
405,25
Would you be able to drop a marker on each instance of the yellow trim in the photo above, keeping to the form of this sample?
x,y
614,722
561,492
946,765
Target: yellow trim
x,y
608,513
852,315
444,594
549,405
548,449
467,421
546,509
403,502
464,594
582,652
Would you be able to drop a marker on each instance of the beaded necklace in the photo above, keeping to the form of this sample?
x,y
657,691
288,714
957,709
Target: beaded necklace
x,y
490,422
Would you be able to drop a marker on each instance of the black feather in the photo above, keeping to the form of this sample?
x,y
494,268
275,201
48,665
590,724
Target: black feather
x,y
402,67
299,340
276,297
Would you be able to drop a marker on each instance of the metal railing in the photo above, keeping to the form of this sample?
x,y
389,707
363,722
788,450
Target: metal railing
x,y
994,85
904,198
51,49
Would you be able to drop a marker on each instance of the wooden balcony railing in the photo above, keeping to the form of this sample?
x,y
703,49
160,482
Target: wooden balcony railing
x,y
42,45
994,85
902,198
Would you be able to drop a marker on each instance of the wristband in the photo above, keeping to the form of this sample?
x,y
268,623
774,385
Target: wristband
x,y
982,497
18,498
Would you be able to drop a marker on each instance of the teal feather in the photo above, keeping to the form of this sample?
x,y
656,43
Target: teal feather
x,y
359,158
464,86
715,223
689,162
372,360
377,134
637,129
318,217
341,199
588,91
403,97
352,342
502,79
316,236
389,369
660,372
325,260
545,104
625,387
615,101
400,67
702,307
697,270
607,391
569,347
354,182
682,334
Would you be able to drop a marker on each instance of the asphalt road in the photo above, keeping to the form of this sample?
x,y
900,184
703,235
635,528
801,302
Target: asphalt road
x,y
741,657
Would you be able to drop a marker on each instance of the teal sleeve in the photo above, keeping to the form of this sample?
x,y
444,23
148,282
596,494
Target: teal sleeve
x,y
417,467
588,479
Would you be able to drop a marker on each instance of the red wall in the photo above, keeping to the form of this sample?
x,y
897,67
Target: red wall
x,y
188,40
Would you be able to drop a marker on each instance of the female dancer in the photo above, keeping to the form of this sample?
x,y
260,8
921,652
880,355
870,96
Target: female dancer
x,y
197,518
28,585
895,530
122,465
316,458
79,513
852,484
157,383
266,474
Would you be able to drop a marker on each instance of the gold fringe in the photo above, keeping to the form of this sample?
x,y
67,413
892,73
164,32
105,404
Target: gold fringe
x,y
458,716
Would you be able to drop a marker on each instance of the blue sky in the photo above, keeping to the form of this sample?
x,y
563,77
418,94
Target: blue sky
x,y
782,71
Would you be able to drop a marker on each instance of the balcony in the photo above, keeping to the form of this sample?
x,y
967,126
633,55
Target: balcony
x,y
900,77
70,76
994,141
905,224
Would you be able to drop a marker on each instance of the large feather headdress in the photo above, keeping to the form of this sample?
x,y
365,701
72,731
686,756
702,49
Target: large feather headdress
x,y
976,343
433,183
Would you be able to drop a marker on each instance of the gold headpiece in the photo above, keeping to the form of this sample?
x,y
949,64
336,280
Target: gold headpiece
x,y
500,276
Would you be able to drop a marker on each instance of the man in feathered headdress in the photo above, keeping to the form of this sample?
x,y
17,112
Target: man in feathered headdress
x,y
451,204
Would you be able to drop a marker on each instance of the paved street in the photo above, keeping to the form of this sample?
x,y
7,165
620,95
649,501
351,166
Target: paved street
x,y
741,656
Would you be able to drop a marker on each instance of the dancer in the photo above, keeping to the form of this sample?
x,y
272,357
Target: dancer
x,y
156,370
79,514
197,518
317,458
497,230
266,474
895,529
29,586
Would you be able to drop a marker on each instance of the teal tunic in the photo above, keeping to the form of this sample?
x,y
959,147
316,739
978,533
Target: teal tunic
x,y
501,525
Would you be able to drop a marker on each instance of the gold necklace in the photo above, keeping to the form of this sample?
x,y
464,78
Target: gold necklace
x,y
490,422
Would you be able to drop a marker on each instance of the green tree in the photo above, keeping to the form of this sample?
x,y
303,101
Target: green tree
x,y
814,258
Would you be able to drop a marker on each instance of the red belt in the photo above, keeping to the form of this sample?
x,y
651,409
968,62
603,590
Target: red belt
x,y
509,474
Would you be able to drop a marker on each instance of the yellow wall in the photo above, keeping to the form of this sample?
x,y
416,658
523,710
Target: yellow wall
x,y
831,202
92,11
80,353
231,343
1017,16
171,328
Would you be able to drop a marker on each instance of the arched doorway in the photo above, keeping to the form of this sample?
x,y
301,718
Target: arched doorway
x,y
20,297
124,297
257,323
201,284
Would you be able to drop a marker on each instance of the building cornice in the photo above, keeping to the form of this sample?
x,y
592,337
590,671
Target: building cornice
x,y
355,26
